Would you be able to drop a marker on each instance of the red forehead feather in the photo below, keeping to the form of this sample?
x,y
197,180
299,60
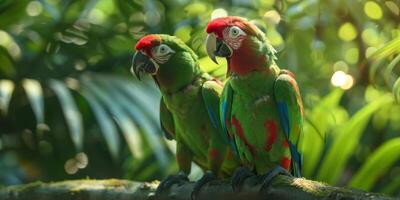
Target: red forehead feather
x,y
147,42
219,24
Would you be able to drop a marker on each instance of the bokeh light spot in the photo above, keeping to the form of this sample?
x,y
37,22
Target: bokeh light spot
x,y
272,17
370,36
342,80
81,160
338,78
96,16
219,12
349,82
351,55
70,167
195,9
34,8
347,32
373,10
340,66
152,18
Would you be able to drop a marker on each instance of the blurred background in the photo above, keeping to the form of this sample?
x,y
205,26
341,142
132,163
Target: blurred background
x,y
70,109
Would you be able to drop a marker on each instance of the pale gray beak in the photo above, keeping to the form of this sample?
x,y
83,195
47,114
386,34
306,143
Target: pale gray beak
x,y
211,46
217,47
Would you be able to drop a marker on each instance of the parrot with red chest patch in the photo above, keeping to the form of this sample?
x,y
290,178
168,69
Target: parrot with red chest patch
x,y
188,109
261,108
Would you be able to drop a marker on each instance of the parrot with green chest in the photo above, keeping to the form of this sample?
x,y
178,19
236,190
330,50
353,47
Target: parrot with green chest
x,y
261,108
189,107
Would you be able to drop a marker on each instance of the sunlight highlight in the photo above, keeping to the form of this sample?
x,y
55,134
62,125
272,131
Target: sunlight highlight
x,y
351,55
96,16
373,10
272,17
342,80
347,32
34,8
8,42
6,89
80,161
217,13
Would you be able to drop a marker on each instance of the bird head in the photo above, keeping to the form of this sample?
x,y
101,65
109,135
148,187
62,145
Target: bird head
x,y
169,60
240,41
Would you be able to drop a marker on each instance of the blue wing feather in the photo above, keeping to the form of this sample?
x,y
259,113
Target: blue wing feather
x,y
225,112
214,121
284,117
286,94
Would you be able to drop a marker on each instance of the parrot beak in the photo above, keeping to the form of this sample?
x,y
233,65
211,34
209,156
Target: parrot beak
x,y
217,47
142,63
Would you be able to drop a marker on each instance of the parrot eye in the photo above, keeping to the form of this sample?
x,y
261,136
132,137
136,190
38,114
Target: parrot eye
x,y
162,53
235,32
163,50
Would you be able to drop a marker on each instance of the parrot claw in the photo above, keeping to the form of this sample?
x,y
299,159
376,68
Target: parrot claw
x,y
269,176
180,178
239,176
207,177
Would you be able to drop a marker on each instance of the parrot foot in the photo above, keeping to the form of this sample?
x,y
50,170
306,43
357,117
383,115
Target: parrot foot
x,y
207,177
239,176
180,178
267,178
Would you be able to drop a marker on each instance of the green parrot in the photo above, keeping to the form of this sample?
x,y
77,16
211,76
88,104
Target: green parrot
x,y
261,108
189,107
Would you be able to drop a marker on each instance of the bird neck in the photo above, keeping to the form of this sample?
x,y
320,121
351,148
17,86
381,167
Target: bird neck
x,y
252,55
177,81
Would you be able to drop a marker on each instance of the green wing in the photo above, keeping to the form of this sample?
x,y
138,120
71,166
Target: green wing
x,y
290,109
211,91
167,121
225,116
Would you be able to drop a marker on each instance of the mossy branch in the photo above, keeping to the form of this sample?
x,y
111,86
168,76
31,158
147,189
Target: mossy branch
x,y
282,187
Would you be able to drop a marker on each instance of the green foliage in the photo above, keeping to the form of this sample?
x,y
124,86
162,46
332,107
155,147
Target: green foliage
x,y
319,121
345,140
377,164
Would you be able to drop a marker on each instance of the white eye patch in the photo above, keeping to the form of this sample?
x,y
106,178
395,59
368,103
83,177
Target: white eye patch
x,y
162,53
234,36
235,32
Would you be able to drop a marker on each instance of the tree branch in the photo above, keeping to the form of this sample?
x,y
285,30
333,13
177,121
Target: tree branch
x,y
282,187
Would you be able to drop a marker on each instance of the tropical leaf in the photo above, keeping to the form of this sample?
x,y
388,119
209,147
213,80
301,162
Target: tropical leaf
x,y
105,122
389,69
392,187
34,91
376,165
387,50
396,90
135,111
346,140
6,90
72,115
320,118
128,127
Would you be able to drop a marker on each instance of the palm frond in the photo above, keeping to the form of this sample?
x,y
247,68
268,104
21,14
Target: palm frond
x,y
377,164
34,91
72,115
346,139
6,90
